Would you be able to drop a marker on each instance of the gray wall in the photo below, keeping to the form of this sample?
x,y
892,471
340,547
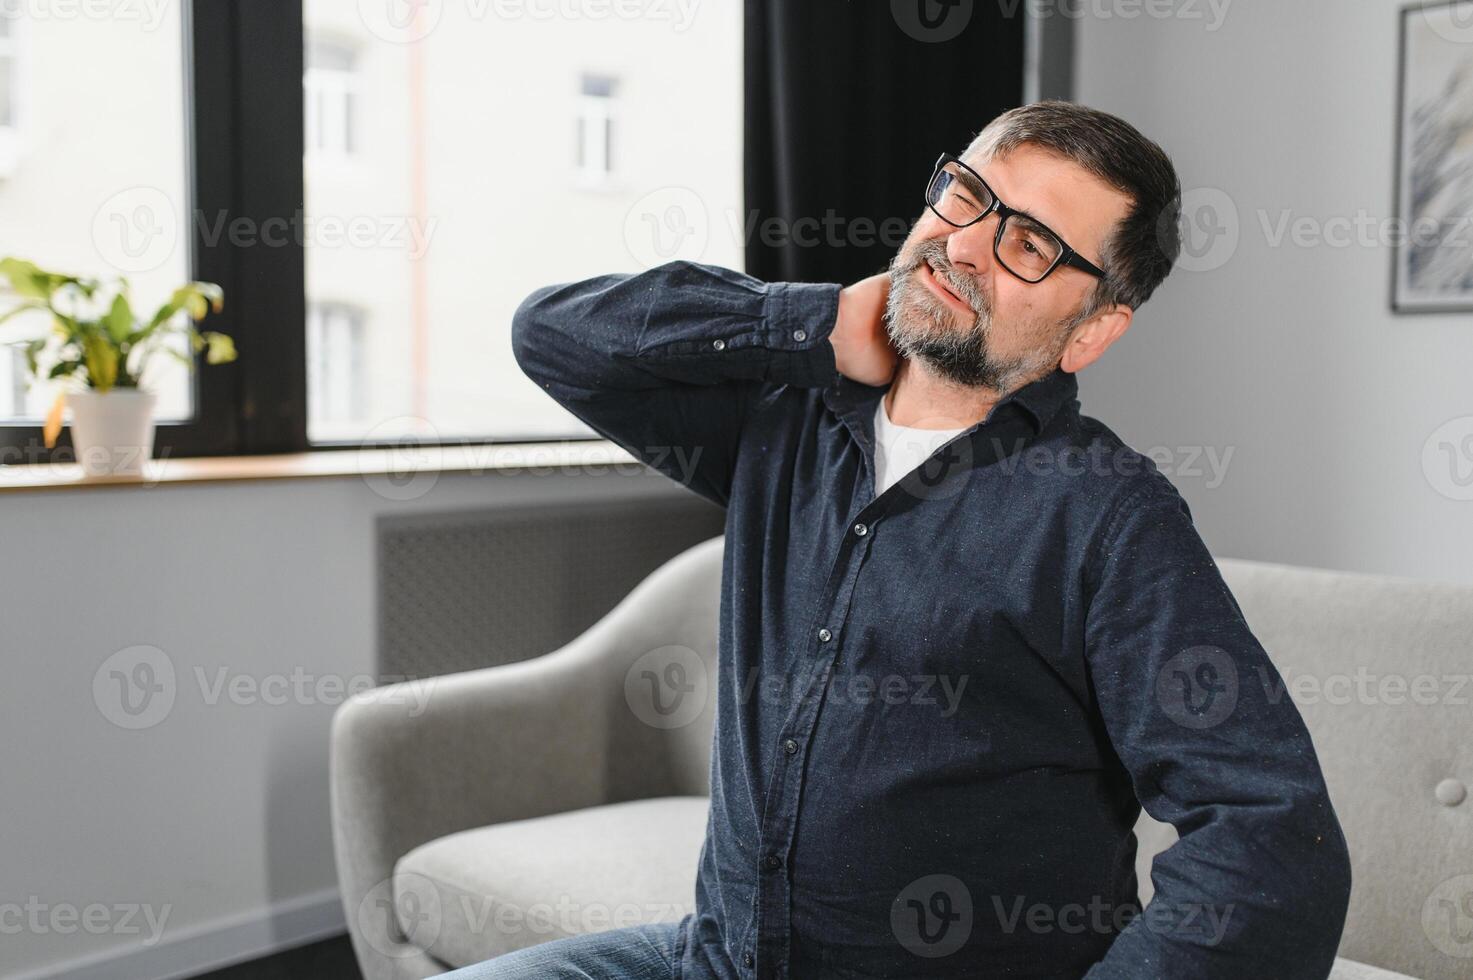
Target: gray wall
x,y
217,814
1288,357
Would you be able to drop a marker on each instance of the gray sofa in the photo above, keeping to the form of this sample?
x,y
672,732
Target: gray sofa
x,y
500,808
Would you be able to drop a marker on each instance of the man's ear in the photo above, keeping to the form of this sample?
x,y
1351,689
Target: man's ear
x,y
1094,336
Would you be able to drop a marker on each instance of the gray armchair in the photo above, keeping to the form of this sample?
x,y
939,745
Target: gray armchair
x,y
482,812
437,789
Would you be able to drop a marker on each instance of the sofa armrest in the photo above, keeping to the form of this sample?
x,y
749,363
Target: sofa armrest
x,y
414,761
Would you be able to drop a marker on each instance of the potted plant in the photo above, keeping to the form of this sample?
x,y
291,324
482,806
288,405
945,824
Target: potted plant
x,y
99,345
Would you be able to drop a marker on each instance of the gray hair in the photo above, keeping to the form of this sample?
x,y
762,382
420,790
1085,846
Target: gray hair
x,y
1139,252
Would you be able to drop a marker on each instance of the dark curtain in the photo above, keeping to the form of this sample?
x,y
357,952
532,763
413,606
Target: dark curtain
x,y
848,103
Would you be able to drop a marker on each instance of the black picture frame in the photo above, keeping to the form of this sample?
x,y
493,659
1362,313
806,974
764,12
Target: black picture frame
x,y
1436,23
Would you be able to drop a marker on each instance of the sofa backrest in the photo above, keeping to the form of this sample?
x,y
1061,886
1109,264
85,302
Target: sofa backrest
x,y
1379,668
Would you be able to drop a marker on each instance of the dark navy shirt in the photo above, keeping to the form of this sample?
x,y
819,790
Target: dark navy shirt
x,y
940,710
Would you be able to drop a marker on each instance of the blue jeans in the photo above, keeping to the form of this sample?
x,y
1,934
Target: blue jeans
x,y
643,952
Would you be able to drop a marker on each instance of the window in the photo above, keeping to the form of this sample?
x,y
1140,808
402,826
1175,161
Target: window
x,y
68,206
329,87
7,69
465,194
370,299
335,366
10,90
595,157
13,387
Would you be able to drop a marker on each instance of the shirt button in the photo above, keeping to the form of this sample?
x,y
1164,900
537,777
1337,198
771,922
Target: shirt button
x,y
790,746
772,862
800,335
747,960
861,530
719,344
824,635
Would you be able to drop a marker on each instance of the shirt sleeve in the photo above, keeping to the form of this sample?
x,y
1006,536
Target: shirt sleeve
x,y
1258,882
665,363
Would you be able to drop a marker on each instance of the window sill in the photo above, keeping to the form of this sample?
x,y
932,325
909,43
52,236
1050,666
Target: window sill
x,y
535,457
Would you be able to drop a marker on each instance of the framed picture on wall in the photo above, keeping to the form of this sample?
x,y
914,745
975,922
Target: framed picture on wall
x,y
1433,233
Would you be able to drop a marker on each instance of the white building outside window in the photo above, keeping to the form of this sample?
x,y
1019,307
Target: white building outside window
x,y
597,118
330,91
336,383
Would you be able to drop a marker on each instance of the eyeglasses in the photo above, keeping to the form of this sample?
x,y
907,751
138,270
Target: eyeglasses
x,y
1024,246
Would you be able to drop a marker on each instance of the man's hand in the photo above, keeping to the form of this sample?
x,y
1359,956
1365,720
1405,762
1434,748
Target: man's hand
x,y
862,348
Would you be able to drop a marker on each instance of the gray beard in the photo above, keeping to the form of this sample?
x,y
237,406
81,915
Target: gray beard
x,y
923,327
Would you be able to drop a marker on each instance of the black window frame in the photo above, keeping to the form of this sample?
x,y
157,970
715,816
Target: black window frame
x,y
244,111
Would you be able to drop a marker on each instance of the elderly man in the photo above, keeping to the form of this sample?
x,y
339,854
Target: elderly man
x,y
966,633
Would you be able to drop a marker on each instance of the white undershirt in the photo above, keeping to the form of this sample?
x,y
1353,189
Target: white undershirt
x,y
901,448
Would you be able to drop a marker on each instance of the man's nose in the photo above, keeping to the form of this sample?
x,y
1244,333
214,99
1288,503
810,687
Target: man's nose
x,y
969,249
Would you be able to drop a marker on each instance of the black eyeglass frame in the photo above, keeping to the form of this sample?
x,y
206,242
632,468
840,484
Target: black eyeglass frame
x,y
1068,256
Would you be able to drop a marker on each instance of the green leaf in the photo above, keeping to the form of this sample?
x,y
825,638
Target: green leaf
x,y
63,369
222,348
119,319
25,278
102,361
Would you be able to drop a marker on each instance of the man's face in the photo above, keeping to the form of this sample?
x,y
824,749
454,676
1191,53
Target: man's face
x,y
969,320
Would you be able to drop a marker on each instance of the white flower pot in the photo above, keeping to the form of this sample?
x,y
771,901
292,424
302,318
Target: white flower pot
x,y
112,431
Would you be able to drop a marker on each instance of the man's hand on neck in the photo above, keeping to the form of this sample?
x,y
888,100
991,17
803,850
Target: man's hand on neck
x,y
862,348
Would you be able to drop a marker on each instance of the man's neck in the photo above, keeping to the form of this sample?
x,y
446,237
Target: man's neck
x,y
919,399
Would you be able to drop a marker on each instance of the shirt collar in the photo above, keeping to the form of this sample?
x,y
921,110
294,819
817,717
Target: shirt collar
x,y
1038,402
